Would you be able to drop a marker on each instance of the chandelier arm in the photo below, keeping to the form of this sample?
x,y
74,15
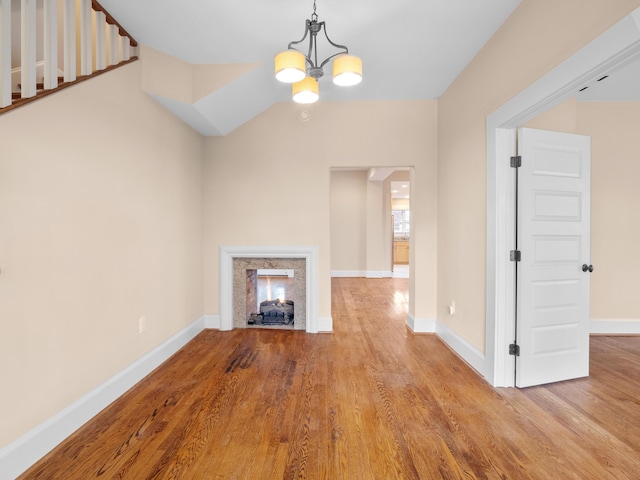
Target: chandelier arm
x,y
342,47
306,32
329,58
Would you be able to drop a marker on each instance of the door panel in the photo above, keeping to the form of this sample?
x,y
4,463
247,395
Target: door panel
x,y
554,239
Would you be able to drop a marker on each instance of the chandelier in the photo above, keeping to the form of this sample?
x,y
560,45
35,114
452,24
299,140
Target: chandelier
x,y
303,71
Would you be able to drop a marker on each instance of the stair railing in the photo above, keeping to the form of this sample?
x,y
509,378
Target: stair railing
x,y
78,39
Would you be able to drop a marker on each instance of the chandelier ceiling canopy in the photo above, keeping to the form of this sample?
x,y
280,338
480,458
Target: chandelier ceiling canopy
x,y
303,70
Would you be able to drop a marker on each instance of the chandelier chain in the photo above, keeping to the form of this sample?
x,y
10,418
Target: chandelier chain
x,y
314,15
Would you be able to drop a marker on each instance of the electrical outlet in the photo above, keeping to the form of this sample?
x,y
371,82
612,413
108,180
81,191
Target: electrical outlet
x,y
142,324
452,308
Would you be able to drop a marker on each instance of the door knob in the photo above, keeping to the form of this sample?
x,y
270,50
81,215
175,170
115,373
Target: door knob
x,y
587,268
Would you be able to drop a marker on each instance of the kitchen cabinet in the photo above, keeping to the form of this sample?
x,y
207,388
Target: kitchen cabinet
x,y
401,252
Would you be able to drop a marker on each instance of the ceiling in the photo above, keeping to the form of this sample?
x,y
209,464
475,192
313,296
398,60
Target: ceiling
x,y
411,49
401,189
620,85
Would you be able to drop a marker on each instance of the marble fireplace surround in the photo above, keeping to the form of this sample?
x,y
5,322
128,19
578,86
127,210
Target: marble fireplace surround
x,y
308,253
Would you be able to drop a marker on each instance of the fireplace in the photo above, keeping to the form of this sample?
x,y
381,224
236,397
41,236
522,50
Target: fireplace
x,y
290,271
274,293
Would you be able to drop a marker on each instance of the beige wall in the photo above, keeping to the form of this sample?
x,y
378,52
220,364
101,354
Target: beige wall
x,y
349,220
101,223
401,204
533,40
562,118
293,159
615,197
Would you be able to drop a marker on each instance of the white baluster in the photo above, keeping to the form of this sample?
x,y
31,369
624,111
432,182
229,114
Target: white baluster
x,y
70,53
86,47
5,53
113,44
50,44
28,66
125,49
101,41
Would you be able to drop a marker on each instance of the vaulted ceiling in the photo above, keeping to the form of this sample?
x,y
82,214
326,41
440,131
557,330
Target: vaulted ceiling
x,y
411,49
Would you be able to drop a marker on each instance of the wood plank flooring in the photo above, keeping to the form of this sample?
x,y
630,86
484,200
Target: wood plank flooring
x,y
370,401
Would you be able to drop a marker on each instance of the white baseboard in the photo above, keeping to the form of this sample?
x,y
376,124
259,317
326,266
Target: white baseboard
x,y
21,454
615,327
325,324
348,273
421,325
460,346
378,274
212,321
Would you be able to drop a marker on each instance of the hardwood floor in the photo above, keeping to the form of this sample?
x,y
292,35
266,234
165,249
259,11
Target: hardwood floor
x,y
370,401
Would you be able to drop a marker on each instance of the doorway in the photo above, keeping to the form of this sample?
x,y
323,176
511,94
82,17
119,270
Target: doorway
x,y
617,47
400,198
365,240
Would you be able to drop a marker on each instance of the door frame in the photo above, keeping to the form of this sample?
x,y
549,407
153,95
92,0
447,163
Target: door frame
x,y
615,48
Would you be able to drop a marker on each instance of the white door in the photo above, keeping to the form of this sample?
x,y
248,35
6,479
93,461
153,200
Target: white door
x,y
552,324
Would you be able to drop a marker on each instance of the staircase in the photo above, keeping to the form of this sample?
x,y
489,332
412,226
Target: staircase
x,y
62,43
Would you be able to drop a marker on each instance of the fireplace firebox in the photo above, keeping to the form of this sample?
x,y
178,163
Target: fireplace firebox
x,y
269,293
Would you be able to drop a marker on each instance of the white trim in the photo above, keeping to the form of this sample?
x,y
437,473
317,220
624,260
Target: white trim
x,y
19,455
614,48
615,327
348,273
325,324
228,253
470,354
69,40
421,325
275,272
378,274
50,44
28,27
6,84
212,321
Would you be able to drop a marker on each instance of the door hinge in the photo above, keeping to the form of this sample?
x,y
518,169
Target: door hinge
x,y
514,349
515,255
516,161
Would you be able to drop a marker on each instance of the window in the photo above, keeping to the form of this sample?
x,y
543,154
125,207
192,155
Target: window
x,y
401,223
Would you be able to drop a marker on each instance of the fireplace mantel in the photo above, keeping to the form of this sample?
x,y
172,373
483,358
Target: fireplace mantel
x,y
228,253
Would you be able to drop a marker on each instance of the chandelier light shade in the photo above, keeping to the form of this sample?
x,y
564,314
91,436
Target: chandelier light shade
x,y
305,91
290,66
305,69
347,70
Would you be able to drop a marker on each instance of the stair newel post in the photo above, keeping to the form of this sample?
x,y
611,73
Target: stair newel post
x,y
5,53
86,47
50,44
113,44
101,41
69,21
28,48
